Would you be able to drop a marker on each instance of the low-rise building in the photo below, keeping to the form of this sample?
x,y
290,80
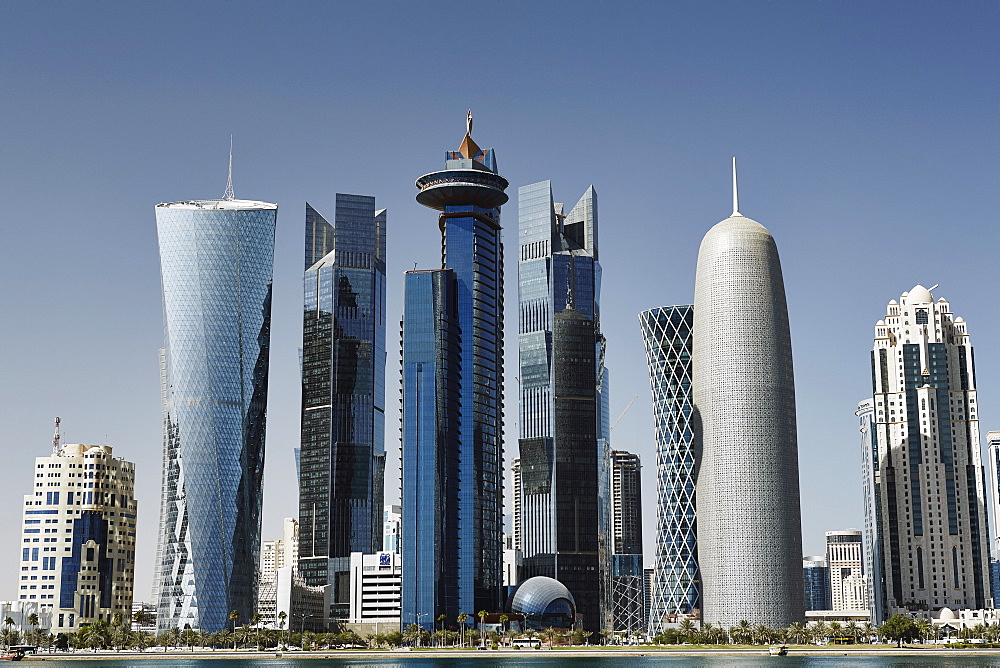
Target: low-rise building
x,y
376,589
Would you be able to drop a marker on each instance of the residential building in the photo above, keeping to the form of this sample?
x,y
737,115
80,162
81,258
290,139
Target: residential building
x,y
993,481
816,583
563,425
627,597
749,520
515,468
667,333
932,529
282,589
845,560
648,585
78,537
452,398
513,563
216,261
392,521
342,451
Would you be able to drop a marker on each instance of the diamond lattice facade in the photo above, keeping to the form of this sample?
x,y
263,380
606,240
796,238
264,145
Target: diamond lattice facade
x,y
216,261
931,526
749,521
667,333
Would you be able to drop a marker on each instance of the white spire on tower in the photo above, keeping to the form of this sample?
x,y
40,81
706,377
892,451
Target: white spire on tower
x,y
229,194
736,192
55,439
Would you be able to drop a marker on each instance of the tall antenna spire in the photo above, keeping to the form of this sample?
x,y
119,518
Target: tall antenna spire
x,y
230,195
55,439
736,192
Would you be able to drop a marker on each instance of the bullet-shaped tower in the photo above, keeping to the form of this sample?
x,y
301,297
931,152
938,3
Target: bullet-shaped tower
x,y
749,521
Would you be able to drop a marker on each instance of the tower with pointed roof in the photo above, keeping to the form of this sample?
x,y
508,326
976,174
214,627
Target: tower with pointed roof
x,y
563,439
930,529
749,522
452,445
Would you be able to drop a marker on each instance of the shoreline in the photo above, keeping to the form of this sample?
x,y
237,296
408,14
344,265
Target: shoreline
x,y
580,652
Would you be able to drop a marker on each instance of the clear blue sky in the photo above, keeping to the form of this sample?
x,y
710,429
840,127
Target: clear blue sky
x,y
867,134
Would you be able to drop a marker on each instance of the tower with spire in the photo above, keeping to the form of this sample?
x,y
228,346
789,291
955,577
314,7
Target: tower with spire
x,y
452,449
749,522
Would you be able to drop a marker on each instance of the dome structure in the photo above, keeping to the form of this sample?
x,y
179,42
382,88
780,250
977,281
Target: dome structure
x,y
920,295
544,602
947,614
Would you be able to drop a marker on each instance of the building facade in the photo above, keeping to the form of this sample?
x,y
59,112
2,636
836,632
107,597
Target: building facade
x,y
932,526
667,334
872,542
376,589
342,451
452,403
78,537
749,519
816,583
627,591
216,261
845,560
392,528
562,426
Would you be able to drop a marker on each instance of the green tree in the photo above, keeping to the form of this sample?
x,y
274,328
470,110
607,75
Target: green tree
x,y
482,620
282,616
503,623
255,619
234,616
463,617
899,628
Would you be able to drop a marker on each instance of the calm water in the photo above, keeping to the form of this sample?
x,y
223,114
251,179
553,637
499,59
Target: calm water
x,y
550,662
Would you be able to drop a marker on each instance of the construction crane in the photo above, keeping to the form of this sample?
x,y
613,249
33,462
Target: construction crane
x,y
622,414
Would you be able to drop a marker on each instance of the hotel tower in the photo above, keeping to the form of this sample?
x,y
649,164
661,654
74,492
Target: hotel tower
x,y
749,522
452,450
930,525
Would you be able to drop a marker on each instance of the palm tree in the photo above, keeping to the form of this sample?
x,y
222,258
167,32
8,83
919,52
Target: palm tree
x,y
462,618
8,622
234,617
482,620
549,635
503,623
282,616
255,619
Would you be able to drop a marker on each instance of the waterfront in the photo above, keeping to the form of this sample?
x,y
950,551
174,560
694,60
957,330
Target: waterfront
x,y
705,659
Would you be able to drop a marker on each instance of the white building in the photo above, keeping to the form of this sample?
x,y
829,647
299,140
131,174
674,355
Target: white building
x,y
513,563
282,590
993,484
144,617
392,519
20,613
78,536
845,559
376,591
928,477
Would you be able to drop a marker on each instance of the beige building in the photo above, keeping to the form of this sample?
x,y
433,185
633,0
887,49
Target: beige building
x,y
845,556
78,536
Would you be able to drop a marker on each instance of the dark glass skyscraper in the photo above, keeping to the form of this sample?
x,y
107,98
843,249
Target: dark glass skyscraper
x,y
216,259
452,454
563,426
342,456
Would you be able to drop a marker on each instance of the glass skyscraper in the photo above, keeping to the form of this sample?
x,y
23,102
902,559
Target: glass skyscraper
x,y
216,260
342,455
563,392
452,454
667,333
816,583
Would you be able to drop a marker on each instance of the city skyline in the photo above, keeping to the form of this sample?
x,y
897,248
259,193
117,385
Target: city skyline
x,y
843,167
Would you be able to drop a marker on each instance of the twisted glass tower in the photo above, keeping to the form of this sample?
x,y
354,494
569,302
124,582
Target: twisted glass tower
x,y
342,456
562,428
452,451
216,260
749,521
667,333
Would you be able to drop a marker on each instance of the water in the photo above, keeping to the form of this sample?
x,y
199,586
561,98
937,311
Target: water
x,y
507,661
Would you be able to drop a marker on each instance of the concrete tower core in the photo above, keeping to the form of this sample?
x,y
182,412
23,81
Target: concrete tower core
x,y
749,521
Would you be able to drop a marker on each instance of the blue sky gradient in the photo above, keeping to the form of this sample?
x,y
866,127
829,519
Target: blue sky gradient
x,y
867,136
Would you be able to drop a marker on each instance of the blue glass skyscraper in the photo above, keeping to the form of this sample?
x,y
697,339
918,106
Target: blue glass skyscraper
x,y
216,261
452,452
342,455
667,333
563,430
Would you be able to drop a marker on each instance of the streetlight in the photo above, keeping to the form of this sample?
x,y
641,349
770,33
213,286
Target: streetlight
x,y
420,626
